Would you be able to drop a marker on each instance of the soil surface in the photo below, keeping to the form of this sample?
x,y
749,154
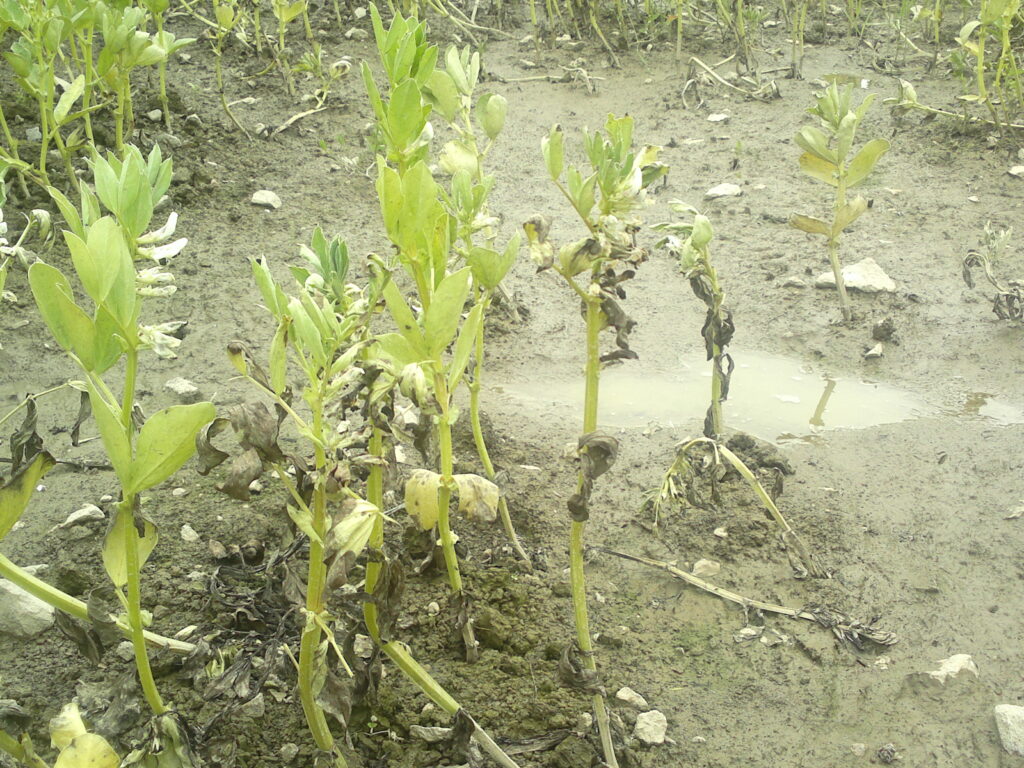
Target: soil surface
x,y
907,467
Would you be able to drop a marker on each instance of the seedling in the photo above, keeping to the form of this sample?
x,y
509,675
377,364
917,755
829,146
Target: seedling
x,y
608,256
1008,302
694,256
143,454
826,158
227,15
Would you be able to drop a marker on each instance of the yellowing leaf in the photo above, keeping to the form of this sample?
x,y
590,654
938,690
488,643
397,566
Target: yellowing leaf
x,y
478,497
115,546
810,225
90,750
14,496
421,497
848,214
166,442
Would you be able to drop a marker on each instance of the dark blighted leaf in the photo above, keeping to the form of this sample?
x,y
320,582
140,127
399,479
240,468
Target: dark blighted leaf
x,y
244,469
26,442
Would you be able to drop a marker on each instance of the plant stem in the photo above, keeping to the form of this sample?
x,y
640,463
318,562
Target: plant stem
x,y
13,747
374,495
478,433
833,247
134,606
576,541
309,645
78,609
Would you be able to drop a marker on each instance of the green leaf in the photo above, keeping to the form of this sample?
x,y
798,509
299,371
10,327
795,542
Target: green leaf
x,y
453,63
268,288
115,441
398,350
442,94
490,267
167,440
279,358
115,548
303,520
441,319
15,494
105,268
844,135
464,346
71,327
864,161
306,332
90,750
811,139
553,148
405,114
848,214
68,99
491,110
819,169
810,225
404,318
68,211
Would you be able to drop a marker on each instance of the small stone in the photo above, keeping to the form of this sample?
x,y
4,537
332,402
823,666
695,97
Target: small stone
x,y
256,487
794,282
32,133
188,534
875,352
180,493
194,121
359,12
718,117
125,650
721,532
289,752
859,749
166,140
106,498
357,34
973,199
630,697
362,646
155,115
185,390
883,330
584,722
650,728
90,513
1017,170
865,276
184,58
723,190
705,568
429,734
953,666
698,740
433,608
1010,722
265,198
22,614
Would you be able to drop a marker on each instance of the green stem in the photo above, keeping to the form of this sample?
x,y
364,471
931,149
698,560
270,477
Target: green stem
x,y
375,495
833,249
162,70
134,606
577,529
89,76
310,642
478,433
13,747
76,608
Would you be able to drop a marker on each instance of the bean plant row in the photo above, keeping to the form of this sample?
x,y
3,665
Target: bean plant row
x,y
358,368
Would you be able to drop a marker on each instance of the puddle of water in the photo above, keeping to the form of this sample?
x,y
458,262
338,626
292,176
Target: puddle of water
x,y
775,398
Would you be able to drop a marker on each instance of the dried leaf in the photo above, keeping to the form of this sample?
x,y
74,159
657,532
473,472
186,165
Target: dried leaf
x,y
421,497
25,442
478,497
244,469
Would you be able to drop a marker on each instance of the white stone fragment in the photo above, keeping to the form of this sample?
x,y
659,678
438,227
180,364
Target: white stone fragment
x,y
90,513
155,115
21,614
865,276
875,352
953,666
1010,722
126,650
721,532
185,390
628,696
1017,170
650,728
705,568
188,534
180,493
718,117
265,198
747,634
362,646
723,190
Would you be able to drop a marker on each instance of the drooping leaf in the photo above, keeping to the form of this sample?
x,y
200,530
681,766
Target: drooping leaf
x,y
68,99
71,327
848,214
16,492
553,149
421,497
811,139
478,497
819,169
810,225
124,532
115,441
166,442
404,318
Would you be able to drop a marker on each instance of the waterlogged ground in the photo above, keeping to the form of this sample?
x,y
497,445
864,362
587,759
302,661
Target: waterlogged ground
x,y
908,467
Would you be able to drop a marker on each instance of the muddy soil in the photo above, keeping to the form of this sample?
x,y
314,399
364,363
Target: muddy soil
x,y
907,466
